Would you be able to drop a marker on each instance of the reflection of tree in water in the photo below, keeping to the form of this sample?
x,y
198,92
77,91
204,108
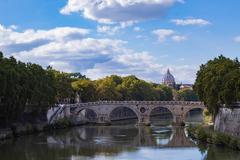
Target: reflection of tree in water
x,y
87,142
28,148
218,153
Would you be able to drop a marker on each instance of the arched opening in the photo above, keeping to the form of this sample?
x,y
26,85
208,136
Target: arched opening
x,y
161,116
86,116
194,116
123,115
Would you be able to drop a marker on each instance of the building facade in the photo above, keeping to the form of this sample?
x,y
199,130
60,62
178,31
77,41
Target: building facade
x,y
169,80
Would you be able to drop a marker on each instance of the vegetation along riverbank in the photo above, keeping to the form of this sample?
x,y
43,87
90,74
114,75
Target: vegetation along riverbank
x,y
206,134
218,86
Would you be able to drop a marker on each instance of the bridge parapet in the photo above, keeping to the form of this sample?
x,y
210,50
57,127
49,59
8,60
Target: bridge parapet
x,y
185,103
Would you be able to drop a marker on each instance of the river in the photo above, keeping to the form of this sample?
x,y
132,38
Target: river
x,y
112,143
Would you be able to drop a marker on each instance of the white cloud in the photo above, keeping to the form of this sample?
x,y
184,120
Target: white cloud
x,y
191,21
9,36
178,38
71,50
237,39
62,66
137,29
14,27
143,37
110,11
94,57
113,29
143,65
128,63
163,34
108,29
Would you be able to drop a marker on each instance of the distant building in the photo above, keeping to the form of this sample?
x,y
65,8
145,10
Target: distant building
x,y
186,86
169,80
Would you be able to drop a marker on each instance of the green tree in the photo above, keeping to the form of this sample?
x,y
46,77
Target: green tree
x,y
186,95
28,87
106,89
217,83
165,92
86,89
62,84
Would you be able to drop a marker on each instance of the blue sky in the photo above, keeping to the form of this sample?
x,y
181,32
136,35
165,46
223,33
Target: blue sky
x,y
104,37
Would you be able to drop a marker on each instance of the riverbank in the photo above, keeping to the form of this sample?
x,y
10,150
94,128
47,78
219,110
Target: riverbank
x,y
206,134
19,129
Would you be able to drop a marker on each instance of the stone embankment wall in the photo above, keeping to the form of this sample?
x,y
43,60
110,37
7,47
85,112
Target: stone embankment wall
x,y
228,121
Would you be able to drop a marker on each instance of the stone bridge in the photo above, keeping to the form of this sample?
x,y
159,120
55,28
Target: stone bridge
x,y
142,109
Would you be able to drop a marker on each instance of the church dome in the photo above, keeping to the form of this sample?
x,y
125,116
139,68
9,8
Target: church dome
x,y
168,79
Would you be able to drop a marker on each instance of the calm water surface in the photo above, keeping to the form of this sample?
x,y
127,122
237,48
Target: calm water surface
x,y
112,143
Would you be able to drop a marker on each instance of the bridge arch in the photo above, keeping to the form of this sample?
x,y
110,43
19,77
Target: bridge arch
x,y
161,113
123,112
188,111
87,114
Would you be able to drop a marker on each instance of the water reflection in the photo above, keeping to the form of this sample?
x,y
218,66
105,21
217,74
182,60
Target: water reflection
x,y
112,142
121,136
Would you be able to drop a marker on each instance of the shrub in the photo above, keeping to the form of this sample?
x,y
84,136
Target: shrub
x,y
62,123
234,143
207,134
221,139
216,139
201,134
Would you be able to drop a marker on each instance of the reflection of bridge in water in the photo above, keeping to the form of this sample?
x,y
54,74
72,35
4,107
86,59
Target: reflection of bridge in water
x,y
122,137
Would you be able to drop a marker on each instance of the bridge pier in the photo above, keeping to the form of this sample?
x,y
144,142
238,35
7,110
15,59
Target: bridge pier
x,y
178,120
103,119
143,120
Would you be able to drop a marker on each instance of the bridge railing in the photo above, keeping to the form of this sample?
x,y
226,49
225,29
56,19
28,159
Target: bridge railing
x,y
136,103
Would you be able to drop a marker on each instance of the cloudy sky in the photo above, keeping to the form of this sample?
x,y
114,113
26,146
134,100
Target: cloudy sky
x,y
124,37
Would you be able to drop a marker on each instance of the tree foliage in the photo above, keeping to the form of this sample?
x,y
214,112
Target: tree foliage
x,y
86,89
186,94
218,82
29,87
121,88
